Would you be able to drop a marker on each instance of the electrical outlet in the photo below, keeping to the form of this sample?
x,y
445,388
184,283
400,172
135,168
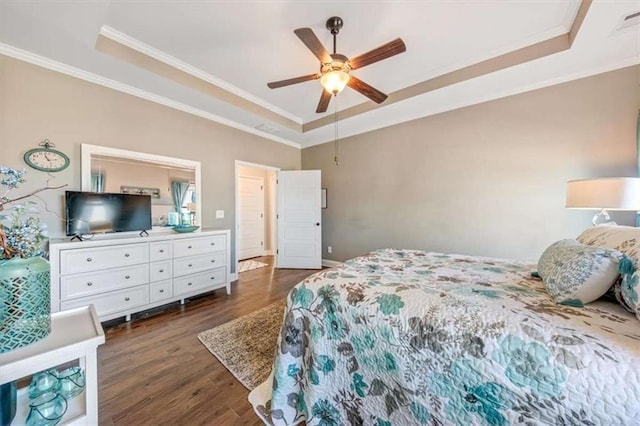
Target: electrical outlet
x,y
329,249
219,214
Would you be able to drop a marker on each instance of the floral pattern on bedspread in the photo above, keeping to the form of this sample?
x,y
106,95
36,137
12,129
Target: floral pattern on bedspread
x,y
403,337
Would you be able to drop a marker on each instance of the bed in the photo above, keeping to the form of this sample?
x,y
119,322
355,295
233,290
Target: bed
x,y
403,337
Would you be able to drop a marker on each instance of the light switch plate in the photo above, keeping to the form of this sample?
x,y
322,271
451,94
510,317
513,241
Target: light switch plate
x,y
219,214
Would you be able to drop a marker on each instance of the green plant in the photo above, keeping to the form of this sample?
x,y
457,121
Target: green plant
x,y
21,233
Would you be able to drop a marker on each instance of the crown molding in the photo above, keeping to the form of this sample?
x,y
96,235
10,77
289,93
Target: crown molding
x,y
50,64
161,56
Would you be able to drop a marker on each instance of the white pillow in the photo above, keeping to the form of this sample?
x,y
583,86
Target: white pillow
x,y
575,274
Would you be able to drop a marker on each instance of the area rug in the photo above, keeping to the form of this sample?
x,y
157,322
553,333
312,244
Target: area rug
x,y
248,265
246,346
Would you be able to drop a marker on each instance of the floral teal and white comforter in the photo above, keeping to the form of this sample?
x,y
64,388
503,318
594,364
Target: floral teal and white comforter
x,y
403,337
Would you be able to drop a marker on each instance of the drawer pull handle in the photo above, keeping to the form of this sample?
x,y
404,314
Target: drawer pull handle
x,y
189,283
213,278
190,265
126,255
213,244
161,290
126,277
126,299
89,259
189,247
89,283
161,250
161,270
213,261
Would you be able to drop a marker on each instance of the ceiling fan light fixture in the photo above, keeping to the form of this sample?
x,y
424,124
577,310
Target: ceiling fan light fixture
x,y
334,81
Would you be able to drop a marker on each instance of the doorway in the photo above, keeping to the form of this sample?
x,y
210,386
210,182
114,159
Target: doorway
x,y
251,215
255,216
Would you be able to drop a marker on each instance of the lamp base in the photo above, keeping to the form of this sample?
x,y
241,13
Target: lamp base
x,y
602,218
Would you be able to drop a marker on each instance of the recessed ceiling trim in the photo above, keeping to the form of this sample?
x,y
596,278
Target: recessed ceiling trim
x,y
571,13
579,19
630,61
50,64
128,49
528,53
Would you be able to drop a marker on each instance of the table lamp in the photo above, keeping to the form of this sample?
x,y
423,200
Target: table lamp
x,y
615,193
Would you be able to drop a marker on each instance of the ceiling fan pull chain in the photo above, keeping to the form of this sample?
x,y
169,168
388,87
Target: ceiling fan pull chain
x,y
335,135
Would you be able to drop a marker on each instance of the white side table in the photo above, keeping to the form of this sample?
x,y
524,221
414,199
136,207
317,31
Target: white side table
x,y
75,335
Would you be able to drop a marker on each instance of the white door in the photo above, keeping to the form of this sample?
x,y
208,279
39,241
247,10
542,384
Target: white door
x,y
299,220
250,217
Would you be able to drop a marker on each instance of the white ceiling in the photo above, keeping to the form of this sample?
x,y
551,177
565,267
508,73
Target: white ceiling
x,y
247,44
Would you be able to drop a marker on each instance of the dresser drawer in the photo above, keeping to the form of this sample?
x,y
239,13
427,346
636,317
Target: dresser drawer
x,y
79,285
160,250
200,245
191,283
94,259
193,264
159,271
113,302
161,290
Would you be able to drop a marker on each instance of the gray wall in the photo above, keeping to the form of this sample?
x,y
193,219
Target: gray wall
x,y
484,180
36,103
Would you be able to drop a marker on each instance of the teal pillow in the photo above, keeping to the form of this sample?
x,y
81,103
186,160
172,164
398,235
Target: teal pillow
x,y
629,288
575,274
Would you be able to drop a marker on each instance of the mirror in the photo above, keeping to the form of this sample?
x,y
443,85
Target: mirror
x,y
172,183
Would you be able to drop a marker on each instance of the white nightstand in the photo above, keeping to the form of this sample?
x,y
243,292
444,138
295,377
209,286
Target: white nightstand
x,y
75,335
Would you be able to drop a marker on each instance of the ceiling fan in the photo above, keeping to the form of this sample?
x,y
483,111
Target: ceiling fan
x,y
335,67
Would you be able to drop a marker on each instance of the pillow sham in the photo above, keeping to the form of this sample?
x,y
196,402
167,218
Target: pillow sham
x,y
625,239
575,274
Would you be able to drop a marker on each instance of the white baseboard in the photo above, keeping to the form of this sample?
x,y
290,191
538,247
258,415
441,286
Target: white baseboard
x,y
330,263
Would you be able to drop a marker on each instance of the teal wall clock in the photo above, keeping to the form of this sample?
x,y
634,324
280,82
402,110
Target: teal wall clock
x,y
46,159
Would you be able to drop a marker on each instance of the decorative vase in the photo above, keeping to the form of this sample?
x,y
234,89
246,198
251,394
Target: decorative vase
x,y
8,402
25,302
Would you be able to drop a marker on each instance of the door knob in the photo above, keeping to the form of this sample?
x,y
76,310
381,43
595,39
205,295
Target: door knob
x,y
317,223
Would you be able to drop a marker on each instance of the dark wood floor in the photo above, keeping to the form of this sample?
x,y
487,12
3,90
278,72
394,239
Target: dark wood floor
x,y
154,370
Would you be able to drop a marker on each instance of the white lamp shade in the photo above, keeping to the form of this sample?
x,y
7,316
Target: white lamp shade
x,y
604,193
334,81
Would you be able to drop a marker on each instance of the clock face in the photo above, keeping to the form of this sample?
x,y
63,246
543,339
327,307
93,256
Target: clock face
x,y
47,160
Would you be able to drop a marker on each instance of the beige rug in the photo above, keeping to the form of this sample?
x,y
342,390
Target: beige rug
x,y
249,265
246,346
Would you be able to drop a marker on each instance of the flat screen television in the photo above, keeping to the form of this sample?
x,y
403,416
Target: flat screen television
x,y
93,212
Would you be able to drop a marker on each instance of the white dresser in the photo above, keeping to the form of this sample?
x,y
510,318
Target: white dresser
x,y
121,275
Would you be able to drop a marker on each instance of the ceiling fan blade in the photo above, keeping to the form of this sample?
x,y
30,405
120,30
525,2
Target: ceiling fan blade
x,y
325,98
383,52
290,81
370,92
310,40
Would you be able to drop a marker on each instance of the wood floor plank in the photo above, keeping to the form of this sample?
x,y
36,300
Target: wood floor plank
x,y
153,370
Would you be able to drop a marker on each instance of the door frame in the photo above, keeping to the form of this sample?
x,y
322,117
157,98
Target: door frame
x,y
239,163
264,213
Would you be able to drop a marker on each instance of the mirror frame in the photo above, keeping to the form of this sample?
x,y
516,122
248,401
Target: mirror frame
x,y
87,151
